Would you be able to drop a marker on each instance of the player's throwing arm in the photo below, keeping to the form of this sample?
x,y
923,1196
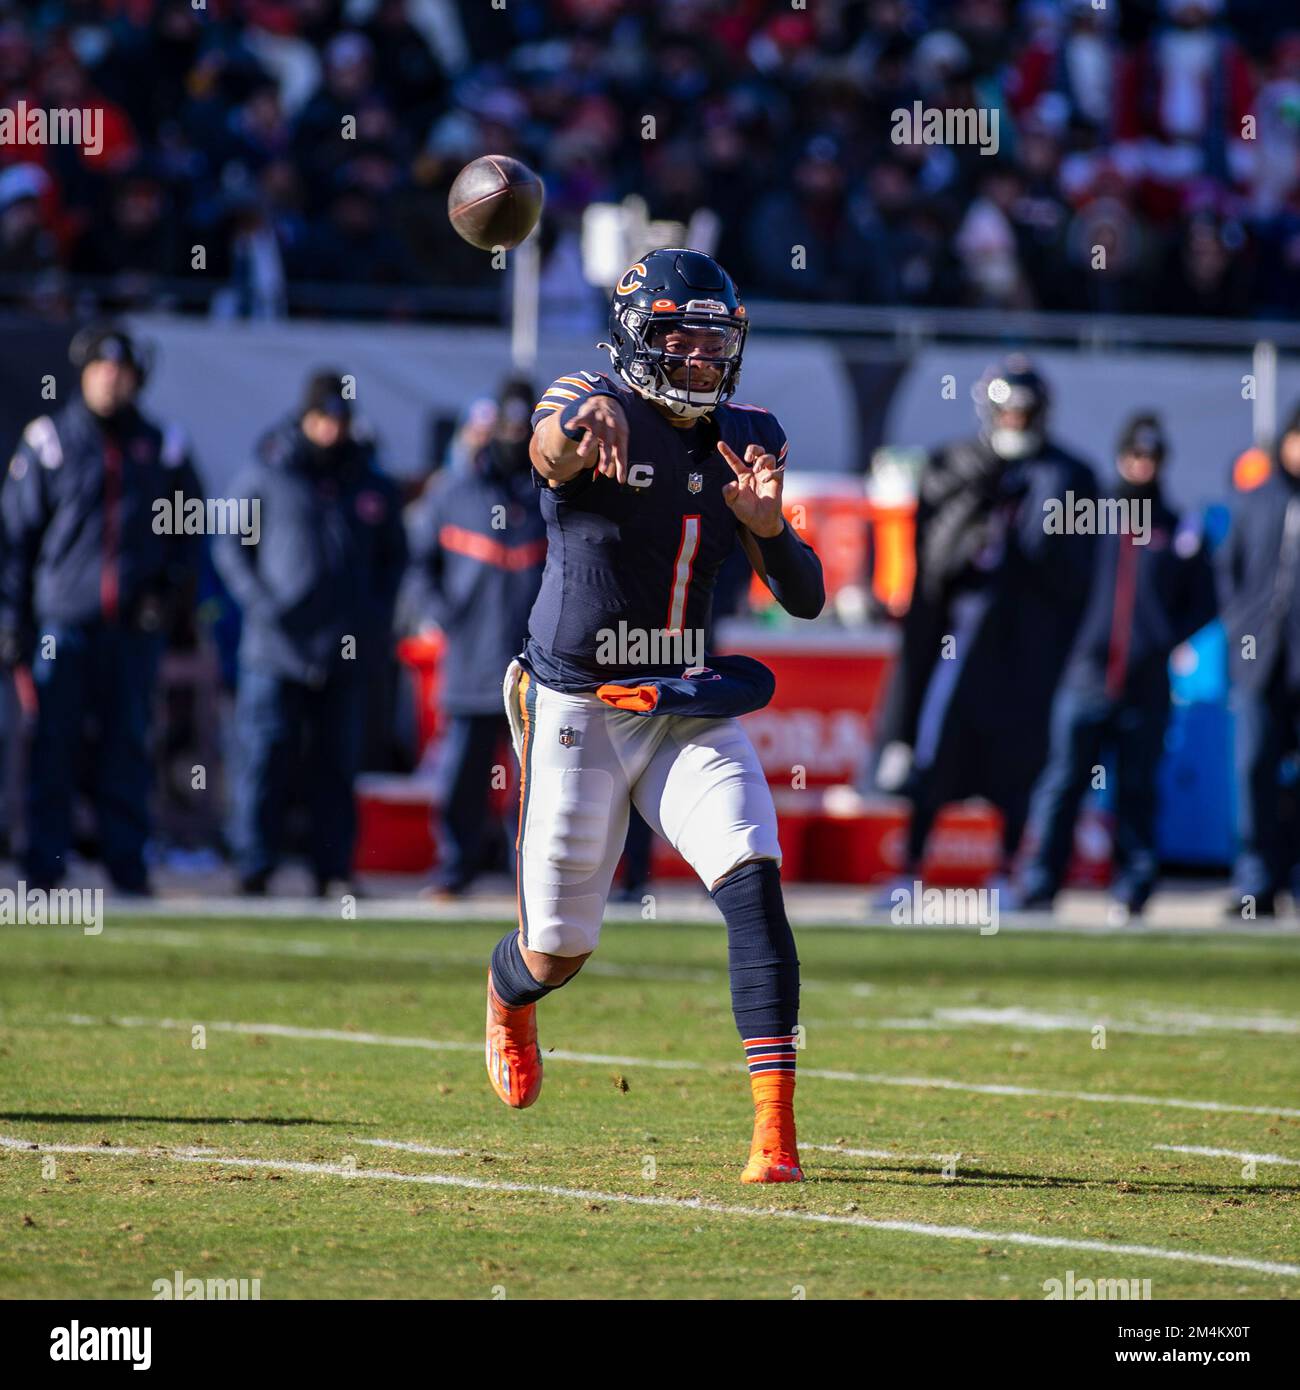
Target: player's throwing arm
x,y
594,437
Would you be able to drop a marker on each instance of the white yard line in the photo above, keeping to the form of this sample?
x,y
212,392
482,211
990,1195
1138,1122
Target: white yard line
x,y
407,1147
1151,1019
1227,1153
680,1204
209,939
154,1151
1158,1023
274,1030
1091,1097
285,1030
809,907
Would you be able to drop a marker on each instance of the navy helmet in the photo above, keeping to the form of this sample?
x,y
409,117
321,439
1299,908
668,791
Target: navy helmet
x,y
1013,384
671,310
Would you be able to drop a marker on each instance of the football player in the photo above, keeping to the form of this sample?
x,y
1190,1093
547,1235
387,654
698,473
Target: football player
x,y
649,478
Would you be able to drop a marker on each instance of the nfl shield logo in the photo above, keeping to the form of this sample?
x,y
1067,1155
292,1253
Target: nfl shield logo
x,y
695,482
568,737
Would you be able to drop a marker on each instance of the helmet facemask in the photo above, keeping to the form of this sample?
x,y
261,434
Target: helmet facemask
x,y
689,363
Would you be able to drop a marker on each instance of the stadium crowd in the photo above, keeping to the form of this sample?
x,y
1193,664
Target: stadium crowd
x,y
315,140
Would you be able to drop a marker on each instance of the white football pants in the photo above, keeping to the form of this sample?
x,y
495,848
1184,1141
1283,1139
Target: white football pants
x,y
697,782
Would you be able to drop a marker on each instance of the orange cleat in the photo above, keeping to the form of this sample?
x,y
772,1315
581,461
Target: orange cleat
x,y
774,1153
772,1157
514,1061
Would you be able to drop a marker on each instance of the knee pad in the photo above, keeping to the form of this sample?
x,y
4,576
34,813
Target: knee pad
x,y
563,927
567,841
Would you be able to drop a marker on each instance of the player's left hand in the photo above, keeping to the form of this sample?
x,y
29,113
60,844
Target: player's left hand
x,y
755,492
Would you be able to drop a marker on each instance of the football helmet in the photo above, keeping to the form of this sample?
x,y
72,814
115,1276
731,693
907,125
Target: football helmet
x,y
677,330
1012,385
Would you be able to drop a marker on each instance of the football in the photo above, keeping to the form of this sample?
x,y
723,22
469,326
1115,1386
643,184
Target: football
x,y
495,201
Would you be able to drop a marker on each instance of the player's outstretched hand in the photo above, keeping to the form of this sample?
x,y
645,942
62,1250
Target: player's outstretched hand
x,y
604,444
755,492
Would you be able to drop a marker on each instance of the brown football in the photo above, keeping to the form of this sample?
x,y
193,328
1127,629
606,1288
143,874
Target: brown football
x,y
495,201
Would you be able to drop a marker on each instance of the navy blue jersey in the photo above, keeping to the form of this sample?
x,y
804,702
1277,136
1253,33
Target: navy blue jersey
x,y
641,556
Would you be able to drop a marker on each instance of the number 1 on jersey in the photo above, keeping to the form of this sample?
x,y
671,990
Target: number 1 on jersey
x,y
682,567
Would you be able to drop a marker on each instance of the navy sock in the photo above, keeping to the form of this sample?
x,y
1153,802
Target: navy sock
x,y
511,978
763,963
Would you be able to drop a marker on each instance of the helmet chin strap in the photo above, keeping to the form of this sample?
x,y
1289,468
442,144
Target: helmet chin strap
x,y
680,408
687,412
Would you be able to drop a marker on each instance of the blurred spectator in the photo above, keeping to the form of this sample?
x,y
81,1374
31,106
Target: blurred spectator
x,y
404,65
478,545
988,247
1183,94
995,609
1275,153
474,435
317,591
135,242
354,246
86,584
1259,593
1108,226
1152,588
257,278
347,87
1068,70
777,120
27,245
1207,274
638,849
811,240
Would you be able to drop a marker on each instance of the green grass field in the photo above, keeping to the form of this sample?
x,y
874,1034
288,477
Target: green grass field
x,y
353,1033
